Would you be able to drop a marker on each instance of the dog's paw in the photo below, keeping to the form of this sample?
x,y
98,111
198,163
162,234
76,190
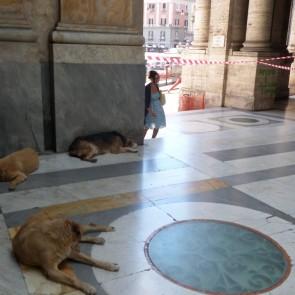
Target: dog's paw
x,y
114,267
93,160
110,228
99,241
88,289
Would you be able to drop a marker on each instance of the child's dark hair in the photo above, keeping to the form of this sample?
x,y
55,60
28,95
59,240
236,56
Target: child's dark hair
x,y
153,75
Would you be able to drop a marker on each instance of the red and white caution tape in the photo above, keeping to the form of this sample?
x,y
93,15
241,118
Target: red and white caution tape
x,y
277,66
184,61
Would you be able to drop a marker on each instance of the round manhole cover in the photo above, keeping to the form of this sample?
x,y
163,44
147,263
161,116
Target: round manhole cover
x,y
244,120
217,257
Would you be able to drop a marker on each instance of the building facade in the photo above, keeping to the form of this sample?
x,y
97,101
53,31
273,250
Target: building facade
x,y
167,23
241,44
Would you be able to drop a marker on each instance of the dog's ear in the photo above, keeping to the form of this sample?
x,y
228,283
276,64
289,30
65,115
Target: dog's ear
x,y
68,224
73,227
76,229
3,174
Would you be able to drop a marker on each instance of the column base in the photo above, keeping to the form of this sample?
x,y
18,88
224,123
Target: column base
x,y
200,45
291,49
292,81
257,46
193,76
84,65
253,87
236,45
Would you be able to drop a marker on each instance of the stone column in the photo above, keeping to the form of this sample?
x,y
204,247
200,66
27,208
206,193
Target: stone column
x,y
99,69
258,36
280,25
239,23
201,25
26,117
291,48
291,43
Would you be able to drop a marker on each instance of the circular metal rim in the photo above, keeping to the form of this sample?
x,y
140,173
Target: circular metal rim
x,y
276,244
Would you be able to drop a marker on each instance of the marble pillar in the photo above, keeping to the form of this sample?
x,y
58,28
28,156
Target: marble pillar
x,y
219,48
201,24
280,24
291,43
256,86
69,68
193,78
249,85
239,23
291,48
259,25
22,71
281,18
99,71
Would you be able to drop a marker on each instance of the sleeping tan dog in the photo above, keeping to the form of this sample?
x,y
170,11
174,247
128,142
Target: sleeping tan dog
x,y
46,242
15,167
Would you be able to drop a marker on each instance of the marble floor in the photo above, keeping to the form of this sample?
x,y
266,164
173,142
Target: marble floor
x,y
207,208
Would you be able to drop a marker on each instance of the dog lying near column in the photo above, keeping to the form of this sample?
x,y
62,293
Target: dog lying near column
x,y
87,147
46,242
16,167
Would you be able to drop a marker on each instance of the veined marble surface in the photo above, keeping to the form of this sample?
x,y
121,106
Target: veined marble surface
x,y
203,166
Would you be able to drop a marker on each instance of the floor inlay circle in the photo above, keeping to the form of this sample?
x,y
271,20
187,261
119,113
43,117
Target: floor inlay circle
x,y
244,120
217,257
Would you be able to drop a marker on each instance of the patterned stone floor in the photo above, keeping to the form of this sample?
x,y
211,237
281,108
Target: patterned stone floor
x,y
220,164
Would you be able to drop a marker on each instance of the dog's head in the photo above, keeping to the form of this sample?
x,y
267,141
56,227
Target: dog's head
x,y
131,143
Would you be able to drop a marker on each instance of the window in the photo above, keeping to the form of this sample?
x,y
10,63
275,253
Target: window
x,y
186,23
162,36
150,35
176,35
176,22
164,6
151,6
151,21
163,21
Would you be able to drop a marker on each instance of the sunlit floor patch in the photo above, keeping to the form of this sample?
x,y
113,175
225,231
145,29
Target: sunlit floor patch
x,y
194,127
217,257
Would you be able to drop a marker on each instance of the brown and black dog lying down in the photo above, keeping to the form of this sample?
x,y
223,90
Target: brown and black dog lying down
x,y
15,167
87,147
46,242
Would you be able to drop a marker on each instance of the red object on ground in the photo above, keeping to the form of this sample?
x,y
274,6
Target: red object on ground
x,y
191,102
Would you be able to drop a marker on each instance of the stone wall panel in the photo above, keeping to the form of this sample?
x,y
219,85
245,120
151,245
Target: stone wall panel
x,y
114,15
